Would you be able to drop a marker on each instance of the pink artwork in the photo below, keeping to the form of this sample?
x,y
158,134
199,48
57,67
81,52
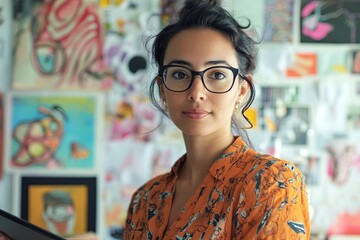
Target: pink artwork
x,y
356,62
330,21
342,158
345,224
312,27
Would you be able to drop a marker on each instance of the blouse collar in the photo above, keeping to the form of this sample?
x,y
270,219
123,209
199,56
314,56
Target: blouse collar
x,y
222,164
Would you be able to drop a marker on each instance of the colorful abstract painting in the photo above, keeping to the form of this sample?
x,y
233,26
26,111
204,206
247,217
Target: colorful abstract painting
x,y
59,45
52,131
278,20
330,21
65,206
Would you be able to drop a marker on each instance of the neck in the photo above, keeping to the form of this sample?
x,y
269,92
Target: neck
x,y
201,152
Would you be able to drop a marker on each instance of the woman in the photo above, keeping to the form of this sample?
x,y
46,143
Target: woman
x,y
221,188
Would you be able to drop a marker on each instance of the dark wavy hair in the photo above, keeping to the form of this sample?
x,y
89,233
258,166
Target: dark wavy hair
x,y
209,14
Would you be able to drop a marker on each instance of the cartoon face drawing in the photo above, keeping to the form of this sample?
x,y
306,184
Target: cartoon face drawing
x,y
59,212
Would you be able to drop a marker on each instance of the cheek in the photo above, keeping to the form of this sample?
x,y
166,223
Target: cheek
x,y
173,101
225,105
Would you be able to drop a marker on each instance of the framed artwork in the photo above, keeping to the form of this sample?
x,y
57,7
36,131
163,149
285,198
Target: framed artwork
x,y
330,21
62,205
52,131
286,123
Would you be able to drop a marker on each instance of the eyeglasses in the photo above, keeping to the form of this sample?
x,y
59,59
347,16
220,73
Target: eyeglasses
x,y
217,79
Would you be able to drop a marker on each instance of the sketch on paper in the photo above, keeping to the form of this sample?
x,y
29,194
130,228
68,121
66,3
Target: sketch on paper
x,y
127,167
330,21
125,25
52,131
59,45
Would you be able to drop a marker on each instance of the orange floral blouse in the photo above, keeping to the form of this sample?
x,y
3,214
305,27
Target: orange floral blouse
x,y
245,195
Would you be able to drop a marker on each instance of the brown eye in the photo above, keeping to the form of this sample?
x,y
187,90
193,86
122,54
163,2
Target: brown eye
x,y
218,76
179,75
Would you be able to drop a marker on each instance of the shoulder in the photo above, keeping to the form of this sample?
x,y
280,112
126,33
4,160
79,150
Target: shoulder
x,y
267,165
262,176
273,199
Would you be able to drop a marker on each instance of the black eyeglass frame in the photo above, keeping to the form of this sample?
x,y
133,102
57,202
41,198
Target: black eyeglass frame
x,y
235,71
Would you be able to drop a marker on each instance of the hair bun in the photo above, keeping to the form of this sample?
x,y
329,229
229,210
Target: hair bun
x,y
193,7
203,2
214,2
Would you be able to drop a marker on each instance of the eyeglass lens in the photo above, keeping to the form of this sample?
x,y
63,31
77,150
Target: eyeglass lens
x,y
215,79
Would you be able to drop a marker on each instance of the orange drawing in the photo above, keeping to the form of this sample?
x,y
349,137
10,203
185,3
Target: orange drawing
x,y
304,64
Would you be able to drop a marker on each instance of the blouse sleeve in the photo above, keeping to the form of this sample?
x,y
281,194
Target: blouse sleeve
x,y
273,205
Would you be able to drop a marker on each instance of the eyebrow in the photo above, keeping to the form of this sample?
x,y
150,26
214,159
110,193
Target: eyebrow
x,y
213,62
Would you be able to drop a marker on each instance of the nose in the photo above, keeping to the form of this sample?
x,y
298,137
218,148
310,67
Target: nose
x,y
197,90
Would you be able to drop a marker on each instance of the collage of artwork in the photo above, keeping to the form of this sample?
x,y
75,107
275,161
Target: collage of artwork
x,y
76,127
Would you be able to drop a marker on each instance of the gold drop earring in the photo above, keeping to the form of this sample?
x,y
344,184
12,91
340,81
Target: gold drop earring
x,y
165,107
237,106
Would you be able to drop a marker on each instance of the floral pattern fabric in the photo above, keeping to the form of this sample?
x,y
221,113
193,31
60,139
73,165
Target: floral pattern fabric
x,y
245,195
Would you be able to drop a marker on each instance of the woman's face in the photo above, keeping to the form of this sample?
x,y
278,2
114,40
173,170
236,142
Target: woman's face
x,y
197,111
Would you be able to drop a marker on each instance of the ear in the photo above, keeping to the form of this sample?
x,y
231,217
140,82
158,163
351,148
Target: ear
x,y
244,87
161,88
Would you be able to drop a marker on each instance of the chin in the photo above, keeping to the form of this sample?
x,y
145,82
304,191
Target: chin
x,y
195,131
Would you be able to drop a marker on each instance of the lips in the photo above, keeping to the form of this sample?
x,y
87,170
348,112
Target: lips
x,y
196,113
